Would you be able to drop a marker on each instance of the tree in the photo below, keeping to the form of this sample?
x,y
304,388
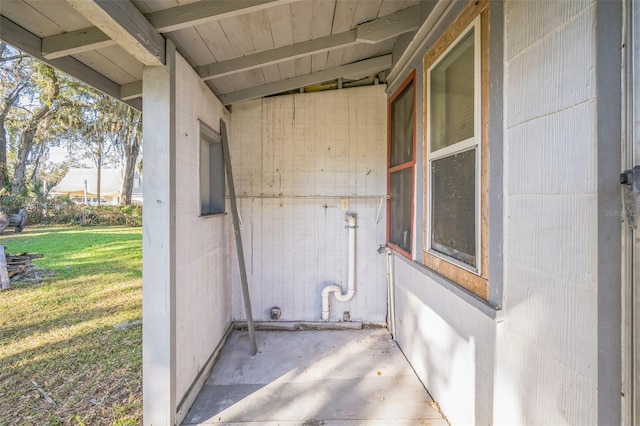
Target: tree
x,y
40,108
109,133
47,81
131,143
13,80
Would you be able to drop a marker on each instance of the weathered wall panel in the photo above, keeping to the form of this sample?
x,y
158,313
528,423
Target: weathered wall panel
x,y
295,157
559,67
537,361
449,343
547,353
203,290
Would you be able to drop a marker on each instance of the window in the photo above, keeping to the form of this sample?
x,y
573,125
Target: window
x,y
211,172
401,164
456,155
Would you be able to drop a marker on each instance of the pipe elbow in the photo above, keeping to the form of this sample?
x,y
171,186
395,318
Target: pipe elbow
x,y
332,288
345,297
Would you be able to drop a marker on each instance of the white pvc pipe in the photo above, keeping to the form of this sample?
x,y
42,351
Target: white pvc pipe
x,y
391,291
351,276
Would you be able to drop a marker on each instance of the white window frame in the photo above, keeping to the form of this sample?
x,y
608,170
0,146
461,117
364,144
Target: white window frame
x,y
474,142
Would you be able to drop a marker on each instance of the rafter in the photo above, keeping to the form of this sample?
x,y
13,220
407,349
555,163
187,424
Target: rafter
x,y
389,26
74,42
200,12
131,90
31,44
122,22
163,21
273,56
375,31
368,66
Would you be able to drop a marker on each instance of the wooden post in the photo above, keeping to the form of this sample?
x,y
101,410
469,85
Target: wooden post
x,y
236,228
4,274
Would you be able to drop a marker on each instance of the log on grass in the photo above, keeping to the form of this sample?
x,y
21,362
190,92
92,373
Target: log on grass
x,y
18,263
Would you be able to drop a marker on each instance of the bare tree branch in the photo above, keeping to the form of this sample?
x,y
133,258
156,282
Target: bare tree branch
x,y
11,58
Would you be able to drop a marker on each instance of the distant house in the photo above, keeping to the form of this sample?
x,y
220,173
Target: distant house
x,y
79,183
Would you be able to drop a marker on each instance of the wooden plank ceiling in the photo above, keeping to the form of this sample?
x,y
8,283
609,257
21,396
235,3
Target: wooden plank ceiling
x,y
242,49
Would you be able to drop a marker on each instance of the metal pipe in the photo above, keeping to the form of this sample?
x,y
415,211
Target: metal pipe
x,y
351,274
391,291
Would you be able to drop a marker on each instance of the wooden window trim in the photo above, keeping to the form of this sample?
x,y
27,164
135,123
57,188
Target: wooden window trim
x,y
410,164
475,283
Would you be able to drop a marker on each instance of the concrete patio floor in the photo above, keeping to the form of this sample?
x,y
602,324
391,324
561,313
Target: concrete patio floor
x,y
327,377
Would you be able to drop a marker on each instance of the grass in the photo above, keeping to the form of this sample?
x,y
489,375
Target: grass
x,y
60,332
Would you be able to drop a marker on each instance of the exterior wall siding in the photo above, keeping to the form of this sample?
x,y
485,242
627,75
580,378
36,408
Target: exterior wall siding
x,y
547,354
535,360
295,158
203,290
449,343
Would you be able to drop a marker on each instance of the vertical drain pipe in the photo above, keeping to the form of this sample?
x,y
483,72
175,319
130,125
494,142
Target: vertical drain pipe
x,y
391,294
351,276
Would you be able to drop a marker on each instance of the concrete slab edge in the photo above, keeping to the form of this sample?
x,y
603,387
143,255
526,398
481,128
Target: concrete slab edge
x,y
385,422
307,325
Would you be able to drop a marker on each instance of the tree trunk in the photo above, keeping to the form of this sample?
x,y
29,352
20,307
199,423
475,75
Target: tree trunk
x,y
6,106
99,177
26,143
4,173
127,182
132,150
24,148
4,177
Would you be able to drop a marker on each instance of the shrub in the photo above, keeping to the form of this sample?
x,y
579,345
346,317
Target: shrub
x,y
62,210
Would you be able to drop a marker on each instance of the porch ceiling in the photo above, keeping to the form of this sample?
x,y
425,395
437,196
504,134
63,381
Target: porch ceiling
x,y
242,49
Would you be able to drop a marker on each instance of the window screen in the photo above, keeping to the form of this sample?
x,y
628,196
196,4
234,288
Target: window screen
x,y
452,96
401,206
456,171
453,210
402,127
401,167
212,183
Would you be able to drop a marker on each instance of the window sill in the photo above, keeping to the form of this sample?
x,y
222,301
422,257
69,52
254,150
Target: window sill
x,y
474,300
208,215
471,281
396,249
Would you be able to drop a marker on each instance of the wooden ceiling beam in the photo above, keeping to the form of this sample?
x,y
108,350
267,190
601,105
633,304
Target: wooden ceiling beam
x,y
368,66
371,32
74,42
30,43
200,12
131,90
274,56
162,21
125,24
389,26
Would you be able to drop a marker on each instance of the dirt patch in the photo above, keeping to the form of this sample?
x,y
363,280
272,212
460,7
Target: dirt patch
x,y
31,275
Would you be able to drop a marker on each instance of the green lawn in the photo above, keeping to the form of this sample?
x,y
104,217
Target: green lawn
x,y
60,332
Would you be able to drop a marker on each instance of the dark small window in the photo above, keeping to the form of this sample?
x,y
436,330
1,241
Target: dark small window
x,y
401,167
212,182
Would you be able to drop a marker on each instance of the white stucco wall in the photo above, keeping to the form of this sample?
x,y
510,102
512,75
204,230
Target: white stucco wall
x,y
203,284
547,356
449,343
312,149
